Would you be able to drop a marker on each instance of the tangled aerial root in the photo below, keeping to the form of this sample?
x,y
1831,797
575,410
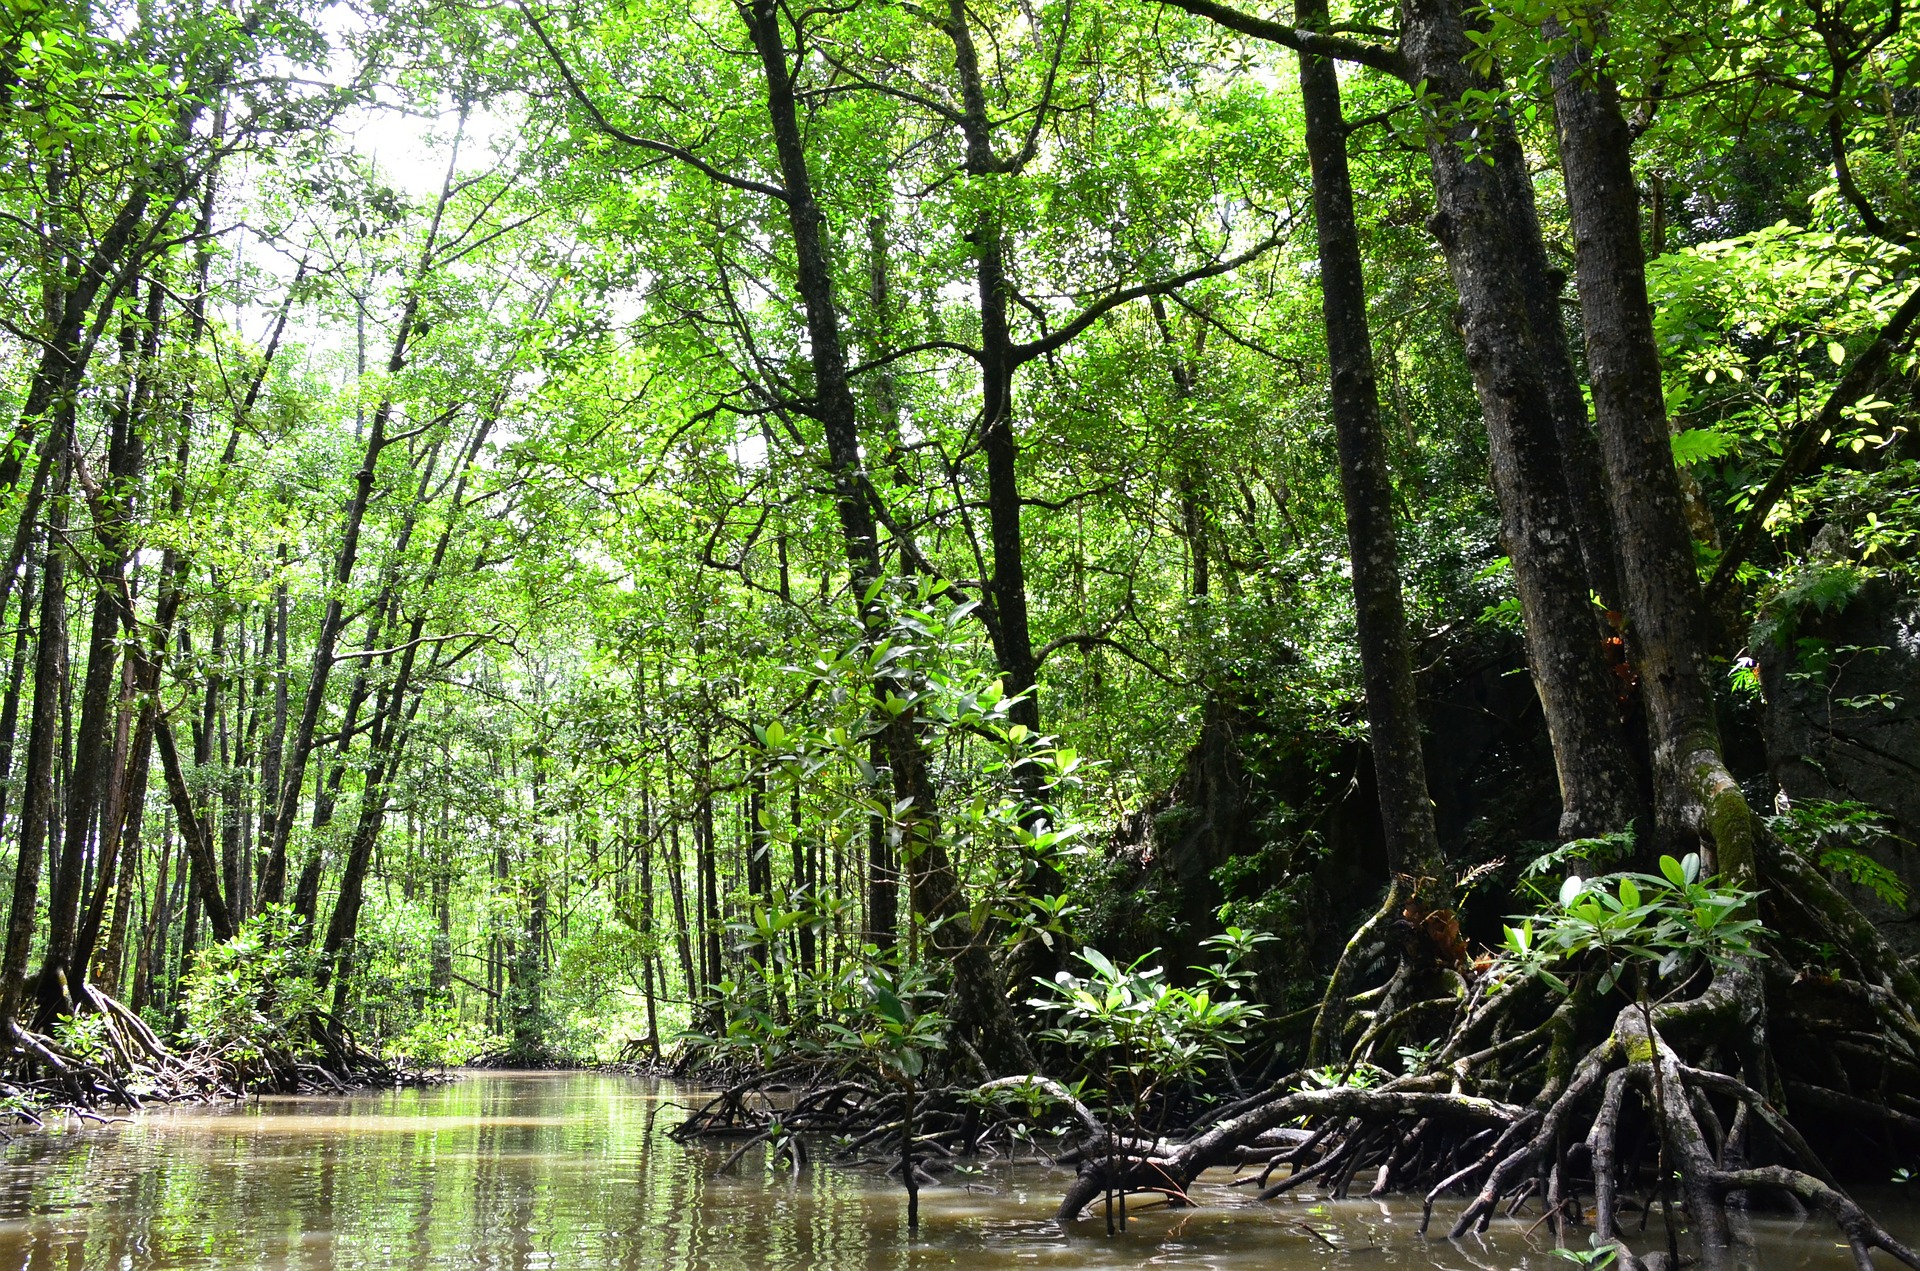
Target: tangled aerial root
x,y
127,1065
1521,1097
1512,1112
866,1117
1425,1131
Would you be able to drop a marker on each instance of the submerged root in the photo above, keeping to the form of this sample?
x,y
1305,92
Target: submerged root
x,y
1564,1144
1523,1101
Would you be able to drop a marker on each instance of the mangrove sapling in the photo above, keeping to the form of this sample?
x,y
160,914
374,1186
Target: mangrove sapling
x,y
1143,1037
901,1034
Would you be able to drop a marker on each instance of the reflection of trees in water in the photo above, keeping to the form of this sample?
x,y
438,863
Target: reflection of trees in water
x,y
521,1173
574,1173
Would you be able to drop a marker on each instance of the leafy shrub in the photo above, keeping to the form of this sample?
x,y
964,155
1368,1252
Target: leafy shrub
x,y
254,1000
439,1038
1145,1034
1622,926
1836,834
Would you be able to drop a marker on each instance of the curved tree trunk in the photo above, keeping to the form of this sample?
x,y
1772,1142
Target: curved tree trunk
x,y
1366,485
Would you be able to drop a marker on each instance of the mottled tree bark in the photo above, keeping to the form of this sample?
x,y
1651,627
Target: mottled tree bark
x,y
1478,226
1666,620
16,678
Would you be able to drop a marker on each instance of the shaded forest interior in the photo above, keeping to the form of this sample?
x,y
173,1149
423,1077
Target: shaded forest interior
x,y
1330,592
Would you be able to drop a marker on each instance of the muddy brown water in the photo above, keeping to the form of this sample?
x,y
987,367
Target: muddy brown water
x,y
574,1172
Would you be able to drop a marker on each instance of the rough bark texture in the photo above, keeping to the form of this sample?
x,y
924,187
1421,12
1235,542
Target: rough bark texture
x,y
1478,226
1666,622
1579,451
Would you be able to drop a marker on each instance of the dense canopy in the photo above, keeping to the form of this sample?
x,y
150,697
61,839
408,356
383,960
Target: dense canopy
x,y
766,535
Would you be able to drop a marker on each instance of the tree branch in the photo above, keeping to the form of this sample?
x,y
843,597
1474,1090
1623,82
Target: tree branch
x,y
1810,438
1299,39
607,126
1024,353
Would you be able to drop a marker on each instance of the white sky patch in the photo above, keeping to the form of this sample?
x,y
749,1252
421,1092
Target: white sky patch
x,y
750,451
411,149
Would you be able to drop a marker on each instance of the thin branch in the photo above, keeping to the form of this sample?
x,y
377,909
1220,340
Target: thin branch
x,y
607,126
1811,437
481,636
926,346
1024,353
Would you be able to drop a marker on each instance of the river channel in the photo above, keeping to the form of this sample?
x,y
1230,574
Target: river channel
x,y
574,1172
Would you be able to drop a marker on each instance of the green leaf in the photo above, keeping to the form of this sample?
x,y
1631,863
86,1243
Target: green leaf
x,y
1698,445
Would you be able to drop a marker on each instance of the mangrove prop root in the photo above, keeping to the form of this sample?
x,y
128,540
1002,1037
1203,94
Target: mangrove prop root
x,y
1529,1098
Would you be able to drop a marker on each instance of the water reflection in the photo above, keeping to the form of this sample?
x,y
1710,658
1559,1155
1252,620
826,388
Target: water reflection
x,y
574,1172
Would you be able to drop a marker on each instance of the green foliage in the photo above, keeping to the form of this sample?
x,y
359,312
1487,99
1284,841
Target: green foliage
x,y
440,1038
1607,849
902,1025
600,522
1625,925
83,1035
1823,586
1697,445
1142,1033
253,1000
1838,834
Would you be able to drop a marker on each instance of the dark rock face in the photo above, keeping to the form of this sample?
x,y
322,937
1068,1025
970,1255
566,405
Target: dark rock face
x,y
1843,725
1285,825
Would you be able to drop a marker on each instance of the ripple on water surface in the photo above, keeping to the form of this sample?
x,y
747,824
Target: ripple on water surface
x,y
574,1172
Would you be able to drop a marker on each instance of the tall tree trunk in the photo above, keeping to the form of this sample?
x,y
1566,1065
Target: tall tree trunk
x,y
979,1001
194,875
649,985
1478,227
1418,873
441,976
333,617
1667,626
275,746
759,851
58,967
36,802
16,676
152,956
682,925
1380,621
707,855
113,508
1579,451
